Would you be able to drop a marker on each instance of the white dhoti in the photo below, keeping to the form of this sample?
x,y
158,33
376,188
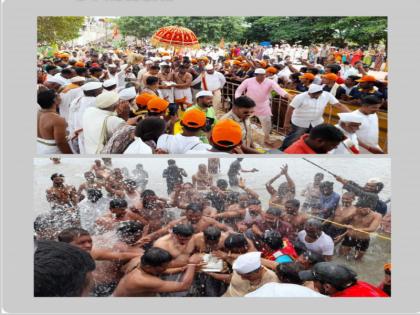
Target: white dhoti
x,y
167,94
46,146
181,93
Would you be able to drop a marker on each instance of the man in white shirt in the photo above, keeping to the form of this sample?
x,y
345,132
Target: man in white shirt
x,y
70,93
306,111
76,112
349,124
118,75
316,240
192,122
368,133
213,81
100,122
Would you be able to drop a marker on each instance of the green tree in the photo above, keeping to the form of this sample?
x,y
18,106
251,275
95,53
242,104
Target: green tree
x,y
53,30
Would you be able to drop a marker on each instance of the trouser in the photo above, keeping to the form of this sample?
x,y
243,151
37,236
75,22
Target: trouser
x,y
294,135
217,103
266,125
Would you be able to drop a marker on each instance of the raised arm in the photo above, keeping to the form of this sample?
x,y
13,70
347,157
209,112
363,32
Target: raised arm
x,y
248,190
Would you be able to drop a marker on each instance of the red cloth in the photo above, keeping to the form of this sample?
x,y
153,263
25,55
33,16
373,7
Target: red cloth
x,y
300,147
361,289
288,249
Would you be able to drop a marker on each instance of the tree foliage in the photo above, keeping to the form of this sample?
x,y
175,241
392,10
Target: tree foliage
x,y
53,30
207,29
305,30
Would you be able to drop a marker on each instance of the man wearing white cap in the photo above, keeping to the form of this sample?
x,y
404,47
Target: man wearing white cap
x,y
127,96
212,81
54,83
259,90
204,103
100,122
109,85
69,93
306,111
249,275
118,75
349,123
76,111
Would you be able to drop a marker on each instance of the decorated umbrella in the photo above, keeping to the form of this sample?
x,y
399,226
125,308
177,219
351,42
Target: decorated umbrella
x,y
176,37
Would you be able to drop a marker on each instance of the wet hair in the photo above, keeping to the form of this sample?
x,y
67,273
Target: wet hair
x,y
235,240
289,273
56,175
185,230
274,211
118,203
222,183
154,67
313,257
273,239
283,189
46,98
326,132
129,228
314,222
70,234
326,184
130,182
152,80
171,162
253,202
147,193
371,100
294,202
60,269
195,207
363,203
150,129
155,257
232,197
244,102
212,233
94,193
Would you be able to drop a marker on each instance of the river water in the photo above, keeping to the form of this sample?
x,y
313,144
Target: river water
x,y
302,172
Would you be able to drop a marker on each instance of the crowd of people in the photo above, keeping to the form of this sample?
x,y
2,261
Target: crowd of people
x,y
145,100
209,236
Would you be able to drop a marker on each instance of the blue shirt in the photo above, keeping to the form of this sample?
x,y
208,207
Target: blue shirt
x,y
329,204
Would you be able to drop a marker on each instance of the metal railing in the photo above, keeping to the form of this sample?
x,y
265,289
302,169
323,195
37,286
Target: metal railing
x,y
279,108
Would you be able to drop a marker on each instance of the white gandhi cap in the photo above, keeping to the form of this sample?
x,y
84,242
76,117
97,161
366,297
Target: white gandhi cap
x,y
109,82
128,93
314,88
203,93
92,86
350,117
247,262
105,100
77,79
259,71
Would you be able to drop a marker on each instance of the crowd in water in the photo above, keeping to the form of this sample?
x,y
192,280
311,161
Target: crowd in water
x,y
145,100
209,236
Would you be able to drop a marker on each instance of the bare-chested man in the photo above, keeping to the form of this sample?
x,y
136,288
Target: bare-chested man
x,y
90,183
342,215
51,127
146,280
60,195
132,195
118,212
213,165
364,222
293,216
114,184
286,191
211,239
202,180
105,280
101,171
